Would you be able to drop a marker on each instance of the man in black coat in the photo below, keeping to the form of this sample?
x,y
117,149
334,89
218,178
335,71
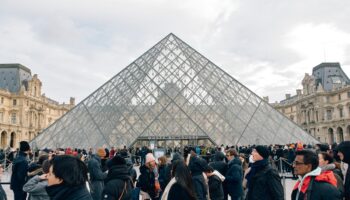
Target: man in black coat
x,y
263,180
344,155
234,175
96,176
215,180
19,171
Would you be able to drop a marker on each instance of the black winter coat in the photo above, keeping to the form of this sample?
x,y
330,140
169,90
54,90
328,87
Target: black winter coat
x,y
197,166
347,185
162,176
266,183
319,191
19,172
177,192
64,192
117,183
146,181
234,178
96,177
216,190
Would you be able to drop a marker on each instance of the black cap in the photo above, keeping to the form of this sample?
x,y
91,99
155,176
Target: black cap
x,y
263,152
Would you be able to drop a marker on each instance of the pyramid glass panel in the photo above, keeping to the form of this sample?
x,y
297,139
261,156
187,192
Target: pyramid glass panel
x,y
171,92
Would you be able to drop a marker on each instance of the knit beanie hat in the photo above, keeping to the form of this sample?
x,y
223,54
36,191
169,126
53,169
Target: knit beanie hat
x,y
263,152
150,158
101,152
24,146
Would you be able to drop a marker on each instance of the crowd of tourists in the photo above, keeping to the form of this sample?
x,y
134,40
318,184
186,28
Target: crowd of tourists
x,y
192,173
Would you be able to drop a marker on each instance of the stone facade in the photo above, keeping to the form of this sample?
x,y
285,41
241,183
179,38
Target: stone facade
x,y
322,107
24,110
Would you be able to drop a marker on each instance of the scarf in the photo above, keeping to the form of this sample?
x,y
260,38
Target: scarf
x,y
167,188
255,167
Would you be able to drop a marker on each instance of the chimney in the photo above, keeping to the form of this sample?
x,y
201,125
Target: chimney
x,y
299,92
266,99
72,101
287,96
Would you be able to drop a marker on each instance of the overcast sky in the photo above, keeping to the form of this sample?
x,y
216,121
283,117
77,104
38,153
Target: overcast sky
x,y
268,45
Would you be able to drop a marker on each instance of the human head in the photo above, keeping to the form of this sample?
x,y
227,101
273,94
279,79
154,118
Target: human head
x,y
24,146
260,153
231,154
344,151
150,161
116,160
68,170
324,159
305,162
101,152
162,160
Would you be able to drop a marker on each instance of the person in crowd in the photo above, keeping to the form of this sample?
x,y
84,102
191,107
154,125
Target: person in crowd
x,y
96,176
344,155
67,179
180,186
262,179
35,168
101,152
37,184
19,171
215,183
118,184
112,153
176,157
327,165
147,181
312,184
220,165
197,166
2,191
162,164
234,175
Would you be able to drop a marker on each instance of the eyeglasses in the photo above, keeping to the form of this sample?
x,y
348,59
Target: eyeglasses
x,y
298,163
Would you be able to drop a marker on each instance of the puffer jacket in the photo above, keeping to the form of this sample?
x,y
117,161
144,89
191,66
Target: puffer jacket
x,y
66,192
118,184
36,189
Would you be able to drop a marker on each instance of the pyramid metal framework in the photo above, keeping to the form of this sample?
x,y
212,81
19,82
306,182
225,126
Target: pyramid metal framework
x,y
171,91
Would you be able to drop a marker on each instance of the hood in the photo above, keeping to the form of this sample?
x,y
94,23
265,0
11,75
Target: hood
x,y
118,172
219,156
328,167
197,165
344,148
96,157
176,157
303,182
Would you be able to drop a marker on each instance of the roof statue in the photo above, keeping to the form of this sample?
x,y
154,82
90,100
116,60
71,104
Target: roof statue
x,y
171,91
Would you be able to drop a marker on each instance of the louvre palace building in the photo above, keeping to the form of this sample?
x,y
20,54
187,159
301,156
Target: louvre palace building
x,y
24,110
322,107
171,96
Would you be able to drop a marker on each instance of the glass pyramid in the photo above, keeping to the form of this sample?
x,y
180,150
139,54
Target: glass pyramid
x,y
171,91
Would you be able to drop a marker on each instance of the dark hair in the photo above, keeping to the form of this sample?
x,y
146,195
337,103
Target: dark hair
x,y
232,152
327,157
42,158
183,177
46,166
70,169
310,157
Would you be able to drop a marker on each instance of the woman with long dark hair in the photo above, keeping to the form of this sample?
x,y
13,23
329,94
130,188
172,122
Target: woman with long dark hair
x,y
180,186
